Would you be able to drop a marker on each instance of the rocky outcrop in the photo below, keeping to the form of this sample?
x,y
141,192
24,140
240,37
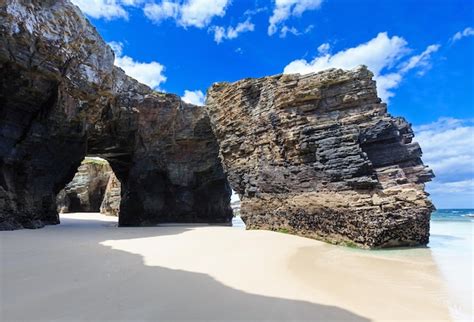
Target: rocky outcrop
x,y
111,203
62,98
319,156
315,155
87,189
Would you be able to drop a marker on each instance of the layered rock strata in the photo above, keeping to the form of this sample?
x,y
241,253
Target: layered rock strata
x,y
87,189
315,155
62,98
319,156
111,203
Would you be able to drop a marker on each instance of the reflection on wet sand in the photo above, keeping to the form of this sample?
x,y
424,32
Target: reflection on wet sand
x,y
398,285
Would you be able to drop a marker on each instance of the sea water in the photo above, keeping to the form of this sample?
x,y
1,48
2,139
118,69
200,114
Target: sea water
x,y
452,247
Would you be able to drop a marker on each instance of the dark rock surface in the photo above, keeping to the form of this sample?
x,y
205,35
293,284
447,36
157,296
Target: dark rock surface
x,y
86,191
318,155
61,99
315,155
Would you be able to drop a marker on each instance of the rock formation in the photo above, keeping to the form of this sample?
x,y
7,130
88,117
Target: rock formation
x,y
318,156
111,202
314,155
62,98
87,189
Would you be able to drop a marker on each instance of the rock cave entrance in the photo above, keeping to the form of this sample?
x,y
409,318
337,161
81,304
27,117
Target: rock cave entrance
x,y
94,188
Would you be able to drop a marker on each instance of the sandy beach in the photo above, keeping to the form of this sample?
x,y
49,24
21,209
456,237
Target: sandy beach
x,y
88,269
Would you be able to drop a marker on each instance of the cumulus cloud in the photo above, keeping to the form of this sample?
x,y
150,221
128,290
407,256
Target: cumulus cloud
x,y
448,148
221,33
107,9
194,97
151,74
197,13
385,56
461,34
284,9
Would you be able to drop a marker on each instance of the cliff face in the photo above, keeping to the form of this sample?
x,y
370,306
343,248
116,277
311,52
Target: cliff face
x,y
61,99
318,155
87,189
314,155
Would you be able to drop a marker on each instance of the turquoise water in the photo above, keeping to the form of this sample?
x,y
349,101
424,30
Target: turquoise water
x,y
453,215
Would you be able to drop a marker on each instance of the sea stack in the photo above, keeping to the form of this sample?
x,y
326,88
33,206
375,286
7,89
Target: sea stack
x,y
319,156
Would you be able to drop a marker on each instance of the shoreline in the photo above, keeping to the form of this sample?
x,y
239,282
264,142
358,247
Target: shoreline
x,y
86,269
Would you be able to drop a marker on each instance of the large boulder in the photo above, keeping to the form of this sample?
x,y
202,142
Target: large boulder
x,y
319,156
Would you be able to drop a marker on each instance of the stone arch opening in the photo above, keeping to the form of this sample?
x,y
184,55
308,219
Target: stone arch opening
x,y
94,188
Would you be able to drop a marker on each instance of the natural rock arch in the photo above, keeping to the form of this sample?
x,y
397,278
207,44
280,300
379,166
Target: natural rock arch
x,y
314,155
62,99
94,188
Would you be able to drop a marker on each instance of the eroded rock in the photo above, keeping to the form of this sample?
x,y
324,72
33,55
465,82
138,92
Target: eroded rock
x,y
87,189
319,156
315,155
111,203
62,98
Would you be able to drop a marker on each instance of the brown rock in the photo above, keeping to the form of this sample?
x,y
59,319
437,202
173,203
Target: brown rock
x,y
318,155
87,189
111,203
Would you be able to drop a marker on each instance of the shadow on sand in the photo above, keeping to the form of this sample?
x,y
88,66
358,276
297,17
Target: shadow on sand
x,y
63,273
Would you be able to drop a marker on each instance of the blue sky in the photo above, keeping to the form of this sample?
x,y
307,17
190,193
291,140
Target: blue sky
x,y
420,51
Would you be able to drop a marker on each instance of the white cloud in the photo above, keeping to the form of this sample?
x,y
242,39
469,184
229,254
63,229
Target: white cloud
x,y
221,33
382,55
164,10
286,30
448,149
256,11
151,74
323,49
462,186
284,9
117,47
107,9
448,146
422,60
461,34
194,97
197,13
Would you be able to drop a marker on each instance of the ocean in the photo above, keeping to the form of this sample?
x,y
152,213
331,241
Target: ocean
x,y
466,215
452,247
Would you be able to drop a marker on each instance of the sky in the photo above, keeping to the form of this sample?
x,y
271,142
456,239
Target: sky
x,y
420,51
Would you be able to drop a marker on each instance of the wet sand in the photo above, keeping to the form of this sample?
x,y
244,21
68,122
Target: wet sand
x,y
88,269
